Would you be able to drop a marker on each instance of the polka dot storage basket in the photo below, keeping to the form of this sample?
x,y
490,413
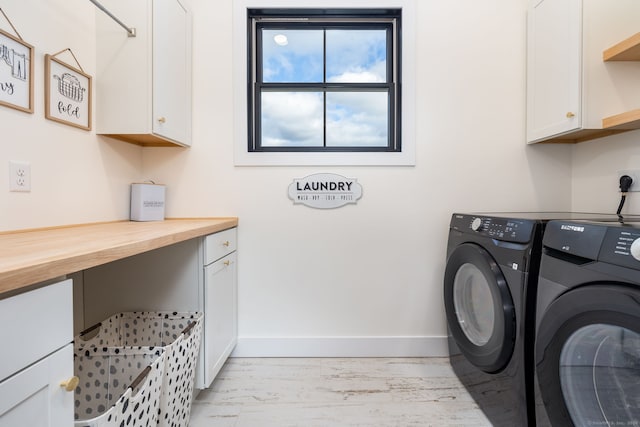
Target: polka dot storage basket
x,y
178,333
118,386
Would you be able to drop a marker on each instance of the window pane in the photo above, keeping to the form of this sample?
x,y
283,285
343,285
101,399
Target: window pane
x,y
357,119
292,56
357,56
292,119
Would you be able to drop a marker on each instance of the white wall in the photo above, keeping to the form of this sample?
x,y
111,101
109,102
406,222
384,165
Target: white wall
x,y
368,270
76,176
594,173
373,269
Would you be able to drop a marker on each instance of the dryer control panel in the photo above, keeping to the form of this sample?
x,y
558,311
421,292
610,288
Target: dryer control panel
x,y
504,229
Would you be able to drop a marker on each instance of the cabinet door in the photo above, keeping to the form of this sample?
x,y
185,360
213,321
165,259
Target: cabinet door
x,y
33,397
172,71
554,68
220,315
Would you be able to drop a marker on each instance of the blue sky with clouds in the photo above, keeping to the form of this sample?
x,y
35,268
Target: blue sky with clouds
x,y
295,118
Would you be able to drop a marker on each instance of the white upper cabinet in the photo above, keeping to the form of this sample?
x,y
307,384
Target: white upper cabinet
x,y
570,89
553,68
143,83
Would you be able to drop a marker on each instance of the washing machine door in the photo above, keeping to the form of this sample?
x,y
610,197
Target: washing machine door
x,y
588,357
479,307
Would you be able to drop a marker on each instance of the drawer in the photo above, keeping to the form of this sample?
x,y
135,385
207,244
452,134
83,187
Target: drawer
x,y
219,244
34,324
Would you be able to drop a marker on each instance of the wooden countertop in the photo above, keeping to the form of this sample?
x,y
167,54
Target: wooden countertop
x,y
28,257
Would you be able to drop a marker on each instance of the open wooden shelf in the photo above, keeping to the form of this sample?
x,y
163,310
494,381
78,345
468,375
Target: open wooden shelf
x,y
629,120
626,50
581,135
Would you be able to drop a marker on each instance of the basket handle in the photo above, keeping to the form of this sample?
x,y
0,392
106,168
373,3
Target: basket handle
x,y
91,328
189,327
140,378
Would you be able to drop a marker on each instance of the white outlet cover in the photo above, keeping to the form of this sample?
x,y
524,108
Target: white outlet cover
x,y
19,176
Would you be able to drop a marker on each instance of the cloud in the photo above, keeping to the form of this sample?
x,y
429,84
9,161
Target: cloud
x,y
357,119
296,119
376,73
292,119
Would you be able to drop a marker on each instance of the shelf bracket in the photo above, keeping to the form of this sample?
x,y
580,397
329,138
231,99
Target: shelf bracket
x,y
131,32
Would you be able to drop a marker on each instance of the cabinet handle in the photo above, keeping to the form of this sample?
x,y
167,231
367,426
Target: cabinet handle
x,y
70,384
226,243
570,115
162,119
227,263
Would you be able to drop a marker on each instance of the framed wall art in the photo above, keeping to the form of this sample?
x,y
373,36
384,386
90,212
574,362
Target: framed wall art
x,y
16,70
67,93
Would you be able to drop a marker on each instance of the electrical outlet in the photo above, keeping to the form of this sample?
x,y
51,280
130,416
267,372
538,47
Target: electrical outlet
x,y
19,176
634,174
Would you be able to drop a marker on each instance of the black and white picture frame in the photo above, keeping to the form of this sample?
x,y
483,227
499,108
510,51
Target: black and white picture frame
x,y
67,94
16,73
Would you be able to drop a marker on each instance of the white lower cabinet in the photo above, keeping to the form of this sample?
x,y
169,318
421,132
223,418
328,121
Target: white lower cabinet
x,y
195,275
37,327
34,396
220,319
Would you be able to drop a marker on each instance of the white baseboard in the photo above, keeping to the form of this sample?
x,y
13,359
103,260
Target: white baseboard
x,y
417,346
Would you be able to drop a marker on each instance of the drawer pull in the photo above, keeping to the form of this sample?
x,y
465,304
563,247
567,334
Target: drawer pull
x,y
70,384
570,115
227,263
226,243
162,119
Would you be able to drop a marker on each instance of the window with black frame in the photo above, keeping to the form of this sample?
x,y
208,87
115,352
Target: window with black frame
x,y
324,80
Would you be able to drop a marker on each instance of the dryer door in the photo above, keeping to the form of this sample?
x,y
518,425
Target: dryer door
x,y
479,307
588,357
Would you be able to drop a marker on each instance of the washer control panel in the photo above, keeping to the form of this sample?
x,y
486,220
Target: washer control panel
x,y
504,229
621,246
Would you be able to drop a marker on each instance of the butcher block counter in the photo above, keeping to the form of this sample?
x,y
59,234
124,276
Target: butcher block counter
x,y
32,256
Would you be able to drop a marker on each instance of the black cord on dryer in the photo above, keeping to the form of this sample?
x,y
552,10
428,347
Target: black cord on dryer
x,y
625,184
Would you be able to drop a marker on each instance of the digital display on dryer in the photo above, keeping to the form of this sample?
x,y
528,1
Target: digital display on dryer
x,y
510,230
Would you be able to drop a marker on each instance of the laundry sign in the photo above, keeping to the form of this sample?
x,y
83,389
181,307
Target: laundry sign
x,y
325,191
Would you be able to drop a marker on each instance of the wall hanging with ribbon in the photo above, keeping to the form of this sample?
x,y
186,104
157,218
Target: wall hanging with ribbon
x,y
67,92
16,70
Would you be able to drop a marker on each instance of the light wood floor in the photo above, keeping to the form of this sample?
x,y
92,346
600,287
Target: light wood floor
x,y
309,392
